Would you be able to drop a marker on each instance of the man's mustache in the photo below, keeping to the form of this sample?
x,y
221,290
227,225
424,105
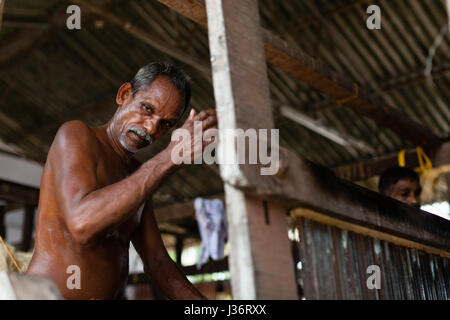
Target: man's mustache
x,y
141,133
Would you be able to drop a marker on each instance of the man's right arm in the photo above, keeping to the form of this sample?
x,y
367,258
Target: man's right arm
x,y
89,210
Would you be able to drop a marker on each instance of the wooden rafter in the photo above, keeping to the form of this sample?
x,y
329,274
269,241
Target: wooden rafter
x,y
147,38
365,169
17,193
303,67
23,41
2,6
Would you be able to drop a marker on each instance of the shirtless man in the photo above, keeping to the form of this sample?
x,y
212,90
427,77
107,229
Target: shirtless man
x,y
95,198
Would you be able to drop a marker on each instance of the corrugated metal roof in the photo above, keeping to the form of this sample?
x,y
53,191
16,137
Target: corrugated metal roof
x,y
75,74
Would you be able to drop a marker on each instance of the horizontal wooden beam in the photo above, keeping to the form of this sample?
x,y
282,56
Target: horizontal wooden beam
x,y
304,184
365,169
23,41
336,86
146,37
209,267
344,140
412,78
303,67
386,85
17,23
14,192
325,219
178,211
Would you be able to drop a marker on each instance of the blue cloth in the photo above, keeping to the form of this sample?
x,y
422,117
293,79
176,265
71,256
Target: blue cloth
x,y
211,219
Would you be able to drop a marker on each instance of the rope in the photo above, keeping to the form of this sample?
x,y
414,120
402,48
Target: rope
x,y
425,163
351,98
10,254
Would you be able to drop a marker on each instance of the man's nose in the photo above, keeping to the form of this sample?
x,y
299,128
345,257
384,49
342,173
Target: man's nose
x,y
412,200
151,125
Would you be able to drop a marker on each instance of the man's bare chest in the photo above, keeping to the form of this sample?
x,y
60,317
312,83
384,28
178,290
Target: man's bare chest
x,y
110,172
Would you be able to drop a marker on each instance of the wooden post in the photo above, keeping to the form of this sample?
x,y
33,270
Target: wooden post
x,y
2,222
2,5
28,225
260,265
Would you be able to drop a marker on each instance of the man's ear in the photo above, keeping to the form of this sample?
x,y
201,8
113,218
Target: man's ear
x,y
123,93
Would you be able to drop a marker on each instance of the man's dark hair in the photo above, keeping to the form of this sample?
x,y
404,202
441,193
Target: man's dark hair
x,y
145,76
391,176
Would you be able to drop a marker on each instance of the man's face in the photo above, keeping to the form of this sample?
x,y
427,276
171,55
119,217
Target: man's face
x,y
407,191
148,115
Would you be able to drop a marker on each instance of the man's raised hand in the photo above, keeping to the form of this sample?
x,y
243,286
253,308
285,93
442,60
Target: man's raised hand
x,y
189,140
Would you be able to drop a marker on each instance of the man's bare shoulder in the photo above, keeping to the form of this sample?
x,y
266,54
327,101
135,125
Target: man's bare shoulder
x,y
75,134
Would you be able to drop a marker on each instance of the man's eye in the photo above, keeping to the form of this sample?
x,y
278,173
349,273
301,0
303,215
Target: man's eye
x,y
147,108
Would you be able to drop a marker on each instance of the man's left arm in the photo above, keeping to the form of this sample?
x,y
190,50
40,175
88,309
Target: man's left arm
x,y
158,265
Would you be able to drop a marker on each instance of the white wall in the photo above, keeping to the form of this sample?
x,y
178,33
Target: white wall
x,y
19,170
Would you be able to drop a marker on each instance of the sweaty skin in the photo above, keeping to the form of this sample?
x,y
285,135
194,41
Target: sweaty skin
x,y
407,191
95,197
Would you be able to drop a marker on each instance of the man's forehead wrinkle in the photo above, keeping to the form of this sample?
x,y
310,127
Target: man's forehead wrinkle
x,y
159,95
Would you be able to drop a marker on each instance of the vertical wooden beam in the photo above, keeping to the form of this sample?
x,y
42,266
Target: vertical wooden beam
x,y
28,224
442,157
2,222
260,257
2,6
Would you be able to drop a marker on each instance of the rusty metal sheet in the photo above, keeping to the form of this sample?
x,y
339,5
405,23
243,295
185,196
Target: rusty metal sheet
x,y
335,262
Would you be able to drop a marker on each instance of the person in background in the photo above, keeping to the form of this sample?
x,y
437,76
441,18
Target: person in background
x,y
402,184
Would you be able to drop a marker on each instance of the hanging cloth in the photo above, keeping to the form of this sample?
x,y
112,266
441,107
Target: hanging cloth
x,y
211,219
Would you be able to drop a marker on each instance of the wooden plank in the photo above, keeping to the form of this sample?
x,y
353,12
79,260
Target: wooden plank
x,y
194,10
303,67
209,267
23,41
17,193
272,256
2,222
261,267
147,38
365,169
341,224
2,6
305,184
179,211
